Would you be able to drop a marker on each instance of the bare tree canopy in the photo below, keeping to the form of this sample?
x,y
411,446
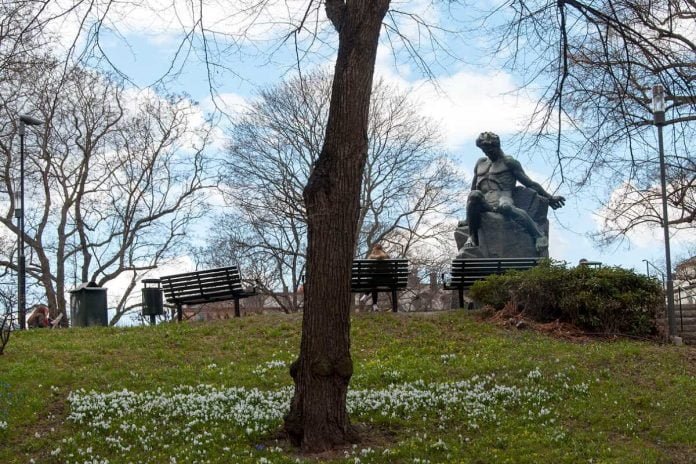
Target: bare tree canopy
x,y
113,179
602,59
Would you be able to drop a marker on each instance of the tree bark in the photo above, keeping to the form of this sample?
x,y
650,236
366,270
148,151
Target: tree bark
x,y
318,418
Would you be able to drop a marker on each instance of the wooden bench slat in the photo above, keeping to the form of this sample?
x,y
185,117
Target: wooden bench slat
x,y
197,288
204,281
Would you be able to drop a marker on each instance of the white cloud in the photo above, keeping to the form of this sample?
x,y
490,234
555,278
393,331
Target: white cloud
x,y
467,103
228,103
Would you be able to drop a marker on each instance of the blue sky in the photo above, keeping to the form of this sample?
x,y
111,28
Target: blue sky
x,y
470,94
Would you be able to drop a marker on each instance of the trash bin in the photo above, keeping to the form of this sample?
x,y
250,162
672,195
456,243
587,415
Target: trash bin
x,y
88,305
152,299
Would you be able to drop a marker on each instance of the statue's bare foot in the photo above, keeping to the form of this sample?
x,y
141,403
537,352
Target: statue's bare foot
x,y
469,243
542,243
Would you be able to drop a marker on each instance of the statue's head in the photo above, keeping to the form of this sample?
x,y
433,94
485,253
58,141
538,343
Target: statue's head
x,y
488,139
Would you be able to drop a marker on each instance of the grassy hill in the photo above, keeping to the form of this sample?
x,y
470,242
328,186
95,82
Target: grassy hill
x,y
428,388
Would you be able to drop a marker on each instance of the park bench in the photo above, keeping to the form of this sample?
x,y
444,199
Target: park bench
x,y
220,284
465,271
379,275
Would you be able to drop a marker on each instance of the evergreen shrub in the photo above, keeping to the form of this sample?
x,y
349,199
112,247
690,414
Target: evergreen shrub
x,y
605,300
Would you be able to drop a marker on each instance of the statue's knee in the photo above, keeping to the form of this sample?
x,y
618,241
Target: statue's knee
x,y
476,197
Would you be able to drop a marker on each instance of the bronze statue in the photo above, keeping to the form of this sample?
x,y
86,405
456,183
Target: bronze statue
x,y
495,177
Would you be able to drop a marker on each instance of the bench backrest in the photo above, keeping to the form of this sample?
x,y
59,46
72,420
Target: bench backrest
x,y
203,286
379,274
466,271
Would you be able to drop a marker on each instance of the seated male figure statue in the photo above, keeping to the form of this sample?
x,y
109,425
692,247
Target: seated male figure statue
x,y
495,177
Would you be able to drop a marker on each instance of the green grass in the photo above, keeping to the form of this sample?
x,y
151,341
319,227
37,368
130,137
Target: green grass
x,y
522,397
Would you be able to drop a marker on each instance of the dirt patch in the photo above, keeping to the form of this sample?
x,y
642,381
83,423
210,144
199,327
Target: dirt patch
x,y
370,436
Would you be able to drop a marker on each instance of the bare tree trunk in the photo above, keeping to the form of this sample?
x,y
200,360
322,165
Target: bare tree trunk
x,y
318,419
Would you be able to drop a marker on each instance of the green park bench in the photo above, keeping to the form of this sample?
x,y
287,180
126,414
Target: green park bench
x,y
465,271
207,286
379,275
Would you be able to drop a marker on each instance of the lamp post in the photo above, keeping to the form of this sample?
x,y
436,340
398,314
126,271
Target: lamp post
x,y
658,106
24,120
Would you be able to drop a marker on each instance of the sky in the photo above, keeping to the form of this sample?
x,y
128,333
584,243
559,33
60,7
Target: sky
x,y
466,95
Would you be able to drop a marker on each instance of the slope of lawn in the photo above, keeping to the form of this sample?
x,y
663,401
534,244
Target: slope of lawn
x,y
427,388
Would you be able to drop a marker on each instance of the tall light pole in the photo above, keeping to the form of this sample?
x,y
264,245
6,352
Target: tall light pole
x,y
24,120
658,106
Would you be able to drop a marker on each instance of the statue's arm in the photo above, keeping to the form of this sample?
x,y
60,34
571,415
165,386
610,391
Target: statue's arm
x,y
474,181
555,201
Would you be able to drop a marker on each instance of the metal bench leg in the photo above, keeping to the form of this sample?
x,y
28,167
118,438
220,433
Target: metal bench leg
x,y
236,308
461,298
394,301
179,313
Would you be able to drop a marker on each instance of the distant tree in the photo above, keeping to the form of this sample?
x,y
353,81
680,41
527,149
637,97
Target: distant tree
x,y
638,203
408,185
114,179
602,58
21,34
685,269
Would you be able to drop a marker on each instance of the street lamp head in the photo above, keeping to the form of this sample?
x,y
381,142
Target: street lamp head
x,y
658,104
26,120
29,120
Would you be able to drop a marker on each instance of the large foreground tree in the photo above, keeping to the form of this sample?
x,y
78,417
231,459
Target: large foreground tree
x,y
318,417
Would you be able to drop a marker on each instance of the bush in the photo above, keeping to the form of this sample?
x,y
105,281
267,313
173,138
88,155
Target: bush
x,y
606,300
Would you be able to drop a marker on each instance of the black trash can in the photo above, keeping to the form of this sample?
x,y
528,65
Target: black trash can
x,y
88,305
152,299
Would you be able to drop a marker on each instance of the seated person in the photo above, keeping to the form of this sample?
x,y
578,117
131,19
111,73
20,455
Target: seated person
x,y
39,318
376,253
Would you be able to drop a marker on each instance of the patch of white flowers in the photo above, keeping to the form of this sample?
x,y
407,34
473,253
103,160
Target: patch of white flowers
x,y
251,409
273,364
3,425
188,422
